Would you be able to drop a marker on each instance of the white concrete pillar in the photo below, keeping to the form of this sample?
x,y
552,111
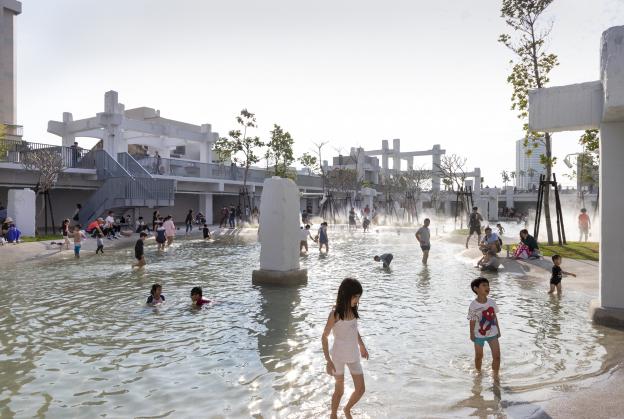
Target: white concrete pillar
x,y
435,168
205,148
68,137
8,103
396,155
477,181
509,197
111,120
611,225
385,150
21,206
410,163
205,207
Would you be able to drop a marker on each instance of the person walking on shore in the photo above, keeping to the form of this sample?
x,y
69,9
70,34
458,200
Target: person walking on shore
x,y
584,224
188,221
474,224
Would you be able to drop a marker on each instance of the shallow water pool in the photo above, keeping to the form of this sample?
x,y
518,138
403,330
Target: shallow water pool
x,y
78,341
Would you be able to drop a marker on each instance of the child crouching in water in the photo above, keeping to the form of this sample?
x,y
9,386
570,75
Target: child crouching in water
x,y
347,347
484,326
197,299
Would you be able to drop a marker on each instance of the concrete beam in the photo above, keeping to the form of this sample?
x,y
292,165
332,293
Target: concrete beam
x,y
566,108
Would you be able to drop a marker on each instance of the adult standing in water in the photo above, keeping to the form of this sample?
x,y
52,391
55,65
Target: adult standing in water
x,y
169,229
188,221
424,238
474,224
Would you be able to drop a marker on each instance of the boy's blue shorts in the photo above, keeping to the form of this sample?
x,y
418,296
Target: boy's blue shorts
x,y
77,248
481,341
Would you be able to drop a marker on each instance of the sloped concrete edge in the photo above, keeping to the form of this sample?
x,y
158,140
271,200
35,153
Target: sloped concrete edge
x,y
285,278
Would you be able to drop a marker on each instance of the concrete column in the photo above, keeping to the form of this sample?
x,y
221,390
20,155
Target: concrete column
x,y
8,106
205,148
361,158
410,163
205,207
68,138
384,156
111,120
435,164
477,181
509,197
396,155
611,204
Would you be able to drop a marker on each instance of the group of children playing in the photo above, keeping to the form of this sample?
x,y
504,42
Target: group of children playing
x,y
156,296
321,238
348,346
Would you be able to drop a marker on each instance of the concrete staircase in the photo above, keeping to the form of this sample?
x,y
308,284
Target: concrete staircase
x,y
126,185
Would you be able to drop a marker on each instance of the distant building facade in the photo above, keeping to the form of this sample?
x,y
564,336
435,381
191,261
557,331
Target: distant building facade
x,y
528,165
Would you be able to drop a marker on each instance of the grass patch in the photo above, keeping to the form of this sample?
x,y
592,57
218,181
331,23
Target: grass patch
x,y
572,250
41,238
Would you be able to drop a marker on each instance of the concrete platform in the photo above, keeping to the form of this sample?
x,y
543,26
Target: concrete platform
x,y
610,317
288,278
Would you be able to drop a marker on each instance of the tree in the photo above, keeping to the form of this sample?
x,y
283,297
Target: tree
x,y
241,148
452,169
512,174
530,71
310,162
341,179
280,152
506,178
48,164
319,150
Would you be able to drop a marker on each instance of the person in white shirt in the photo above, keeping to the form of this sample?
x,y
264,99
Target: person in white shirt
x,y
484,324
305,233
424,236
109,223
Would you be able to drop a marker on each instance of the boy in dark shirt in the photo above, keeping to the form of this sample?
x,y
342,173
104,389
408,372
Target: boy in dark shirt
x,y
557,275
138,251
206,232
386,258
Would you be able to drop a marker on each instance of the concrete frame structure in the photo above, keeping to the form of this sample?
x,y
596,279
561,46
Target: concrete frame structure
x,y
8,104
597,104
118,128
397,156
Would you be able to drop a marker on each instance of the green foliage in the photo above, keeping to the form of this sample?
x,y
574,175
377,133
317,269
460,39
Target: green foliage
x,y
239,147
590,140
532,64
310,162
280,153
341,179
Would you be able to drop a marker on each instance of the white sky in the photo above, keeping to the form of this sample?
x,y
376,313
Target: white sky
x,y
351,72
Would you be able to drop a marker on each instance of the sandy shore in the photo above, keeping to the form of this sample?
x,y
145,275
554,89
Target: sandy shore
x,y
45,250
601,397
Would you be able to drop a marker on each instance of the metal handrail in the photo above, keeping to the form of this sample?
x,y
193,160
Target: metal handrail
x,y
12,151
132,166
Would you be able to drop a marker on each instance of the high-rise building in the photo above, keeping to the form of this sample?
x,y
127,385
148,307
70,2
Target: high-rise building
x,y
528,165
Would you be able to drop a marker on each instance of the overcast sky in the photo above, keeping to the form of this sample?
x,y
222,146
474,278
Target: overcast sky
x,y
350,72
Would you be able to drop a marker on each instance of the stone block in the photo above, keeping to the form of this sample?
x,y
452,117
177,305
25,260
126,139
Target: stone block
x,y
612,73
21,207
605,316
285,278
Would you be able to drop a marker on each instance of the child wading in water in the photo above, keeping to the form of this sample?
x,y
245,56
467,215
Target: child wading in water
x,y
155,295
139,253
197,299
322,237
484,326
348,345
100,244
79,236
557,275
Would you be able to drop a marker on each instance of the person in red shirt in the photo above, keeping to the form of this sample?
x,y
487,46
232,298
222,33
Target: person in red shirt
x,y
196,297
584,224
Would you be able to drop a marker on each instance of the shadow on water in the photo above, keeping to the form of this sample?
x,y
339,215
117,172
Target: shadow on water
x,y
277,345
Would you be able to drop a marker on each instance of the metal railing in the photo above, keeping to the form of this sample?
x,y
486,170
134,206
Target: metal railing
x,y
13,151
125,188
132,166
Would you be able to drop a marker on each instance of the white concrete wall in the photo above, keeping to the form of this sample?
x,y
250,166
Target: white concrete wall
x,y
611,225
566,108
279,225
21,207
612,73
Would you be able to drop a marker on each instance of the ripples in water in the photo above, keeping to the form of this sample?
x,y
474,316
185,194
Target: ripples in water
x,y
78,341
